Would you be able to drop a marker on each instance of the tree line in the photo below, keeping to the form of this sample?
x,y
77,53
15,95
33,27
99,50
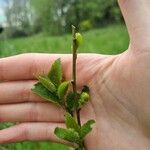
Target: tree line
x,y
54,17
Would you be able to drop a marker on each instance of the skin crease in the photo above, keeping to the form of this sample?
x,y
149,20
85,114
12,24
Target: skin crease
x,y
119,87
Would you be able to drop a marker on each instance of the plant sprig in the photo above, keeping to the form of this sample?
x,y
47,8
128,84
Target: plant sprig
x,y
52,88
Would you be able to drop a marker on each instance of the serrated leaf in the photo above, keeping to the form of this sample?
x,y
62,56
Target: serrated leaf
x,y
67,134
72,101
62,89
40,90
47,83
71,123
86,128
55,74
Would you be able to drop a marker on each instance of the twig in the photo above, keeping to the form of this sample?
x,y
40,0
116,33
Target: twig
x,y
74,58
74,85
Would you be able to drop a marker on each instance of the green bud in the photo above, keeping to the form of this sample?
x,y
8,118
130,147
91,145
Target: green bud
x,y
47,83
79,39
85,96
83,99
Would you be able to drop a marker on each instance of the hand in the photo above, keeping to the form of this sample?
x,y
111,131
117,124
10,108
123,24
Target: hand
x,y
120,91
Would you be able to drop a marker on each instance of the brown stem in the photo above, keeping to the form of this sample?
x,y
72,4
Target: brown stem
x,y
74,58
74,50
74,85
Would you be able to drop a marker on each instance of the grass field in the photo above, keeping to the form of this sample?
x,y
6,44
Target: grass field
x,y
109,40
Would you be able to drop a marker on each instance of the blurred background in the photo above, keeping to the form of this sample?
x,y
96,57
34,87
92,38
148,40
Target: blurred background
x,y
45,26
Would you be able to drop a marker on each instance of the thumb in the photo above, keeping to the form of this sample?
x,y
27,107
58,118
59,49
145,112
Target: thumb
x,y
137,17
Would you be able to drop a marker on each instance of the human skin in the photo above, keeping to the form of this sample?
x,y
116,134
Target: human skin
x,y
119,85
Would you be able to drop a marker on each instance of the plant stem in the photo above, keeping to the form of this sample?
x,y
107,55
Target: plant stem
x,y
74,58
74,85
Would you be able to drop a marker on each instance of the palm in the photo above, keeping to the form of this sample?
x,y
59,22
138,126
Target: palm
x,y
119,97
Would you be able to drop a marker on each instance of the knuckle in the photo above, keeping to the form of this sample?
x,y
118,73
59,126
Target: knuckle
x,y
24,133
25,94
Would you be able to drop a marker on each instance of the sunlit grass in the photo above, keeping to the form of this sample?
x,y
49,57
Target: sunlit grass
x,y
110,40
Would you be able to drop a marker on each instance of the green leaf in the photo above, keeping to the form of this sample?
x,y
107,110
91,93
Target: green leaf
x,y
86,128
40,90
71,123
72,101
55,74
67,134
62,89
47,83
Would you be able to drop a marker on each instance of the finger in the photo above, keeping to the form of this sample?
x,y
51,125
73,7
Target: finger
x,y
19,91
136,14
31,112
25,66
30,132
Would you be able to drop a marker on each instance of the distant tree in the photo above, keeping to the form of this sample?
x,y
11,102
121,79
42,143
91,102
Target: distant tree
x,y
92,13
1,29
55,17
52,14
18,16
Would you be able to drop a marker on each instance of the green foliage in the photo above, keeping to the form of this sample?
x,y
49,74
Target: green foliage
x,y
55,74
52,83
43,92
112,39
71,123
50,87
54,17
72,101
46,82
86,128
74,130
67,134
62,89
85,25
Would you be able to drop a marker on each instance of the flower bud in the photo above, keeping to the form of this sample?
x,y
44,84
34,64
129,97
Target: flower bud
x,y
83,99
85,96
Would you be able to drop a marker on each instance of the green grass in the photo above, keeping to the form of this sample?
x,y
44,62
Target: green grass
x,y
109,40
